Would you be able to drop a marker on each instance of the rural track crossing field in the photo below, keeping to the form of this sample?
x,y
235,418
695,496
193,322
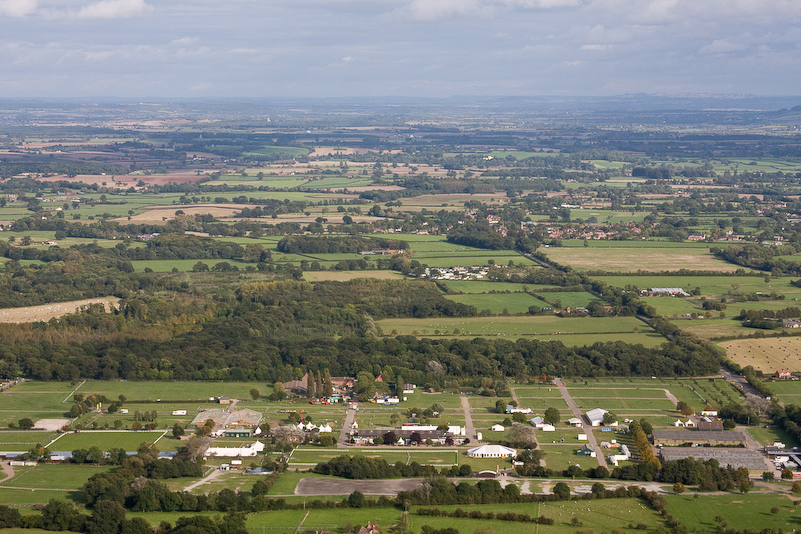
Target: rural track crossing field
x,y
577,413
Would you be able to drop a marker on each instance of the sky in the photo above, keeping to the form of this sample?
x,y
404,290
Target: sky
x,y
414,48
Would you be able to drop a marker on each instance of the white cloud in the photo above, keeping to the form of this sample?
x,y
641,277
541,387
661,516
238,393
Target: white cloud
x,y
348,59
721,46
437,10
541,4
596,47
17,8
113,9
434,10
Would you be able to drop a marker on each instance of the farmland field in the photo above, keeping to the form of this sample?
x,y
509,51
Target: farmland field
x,y
766,354
598,516
429,456
105,440
498,302
630,259
54,476
570,331
745,511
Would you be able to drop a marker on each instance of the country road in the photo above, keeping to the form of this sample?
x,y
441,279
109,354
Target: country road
x,y
577,413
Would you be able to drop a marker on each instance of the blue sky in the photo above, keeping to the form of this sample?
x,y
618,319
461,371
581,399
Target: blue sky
x,y
433,48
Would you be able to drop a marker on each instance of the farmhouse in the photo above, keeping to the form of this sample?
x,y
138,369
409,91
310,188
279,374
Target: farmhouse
x,y
492,451
784,374
574,421
677,438
665,292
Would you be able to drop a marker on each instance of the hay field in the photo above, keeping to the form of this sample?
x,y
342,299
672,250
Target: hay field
x,y
345,276
630,259
45,312
767,355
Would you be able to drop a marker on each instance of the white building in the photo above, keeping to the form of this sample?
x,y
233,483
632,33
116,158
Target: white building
x,y
233,452
492,451
596,416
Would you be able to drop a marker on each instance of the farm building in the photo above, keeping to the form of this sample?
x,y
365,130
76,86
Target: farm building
x,y
222,418
492,451
710,425
751,460
512,409
224,400
677,438
586,450
179,412
233,452
665,292
574,421
298,387
596,416
784,374
497,428
238,433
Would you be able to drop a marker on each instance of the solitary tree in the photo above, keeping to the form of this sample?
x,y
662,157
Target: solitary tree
x,y
25,423
552,416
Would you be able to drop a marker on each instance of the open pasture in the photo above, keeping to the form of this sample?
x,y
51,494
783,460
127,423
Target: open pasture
x,y
595,515
171,391
749,511
23,441
54,476
630,259
498,302
767,354
788,391
571,331
304,456
106,440
713,328
480,286
346,276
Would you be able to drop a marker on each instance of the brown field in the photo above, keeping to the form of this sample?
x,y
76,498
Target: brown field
x,y
344,276
154,214
127,180
766,355
711,329
45,312
634,259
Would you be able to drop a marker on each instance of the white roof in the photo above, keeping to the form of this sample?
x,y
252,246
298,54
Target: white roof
x,y
597,414
492,451
498,428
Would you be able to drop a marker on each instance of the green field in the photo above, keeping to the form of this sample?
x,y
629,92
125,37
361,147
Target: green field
x,y
600,515
64,477
571,331
427,456
499,302
105,441
740,511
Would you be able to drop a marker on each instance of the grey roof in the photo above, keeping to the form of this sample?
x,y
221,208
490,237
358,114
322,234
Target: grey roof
x,y
696,436
734,457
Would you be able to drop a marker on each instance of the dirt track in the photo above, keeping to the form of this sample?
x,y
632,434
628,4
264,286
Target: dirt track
x,y
328,486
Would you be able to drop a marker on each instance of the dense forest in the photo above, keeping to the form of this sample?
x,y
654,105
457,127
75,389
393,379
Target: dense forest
x,y
274,330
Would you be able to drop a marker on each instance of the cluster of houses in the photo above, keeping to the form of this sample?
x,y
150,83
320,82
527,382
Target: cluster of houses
x,y
410,434
457,272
